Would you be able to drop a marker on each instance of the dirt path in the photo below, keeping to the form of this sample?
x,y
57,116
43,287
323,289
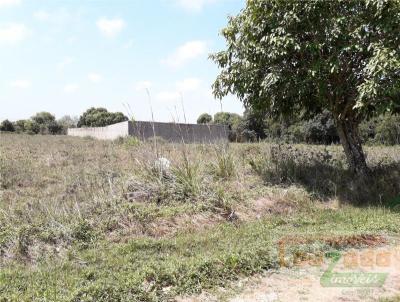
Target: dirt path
x,y
303,283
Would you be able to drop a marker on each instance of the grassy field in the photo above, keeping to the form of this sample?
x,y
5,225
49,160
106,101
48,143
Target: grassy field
x,y
86,220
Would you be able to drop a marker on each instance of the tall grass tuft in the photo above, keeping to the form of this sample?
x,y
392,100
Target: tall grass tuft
x,y
187,176
223,167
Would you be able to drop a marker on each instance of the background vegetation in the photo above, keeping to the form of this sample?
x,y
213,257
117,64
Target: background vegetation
x,y
321,129
46,123
251,127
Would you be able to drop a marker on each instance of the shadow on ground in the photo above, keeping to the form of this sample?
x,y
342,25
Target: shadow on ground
x,y
326,176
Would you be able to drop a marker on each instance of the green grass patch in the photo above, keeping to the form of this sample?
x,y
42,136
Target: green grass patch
x,y
158,269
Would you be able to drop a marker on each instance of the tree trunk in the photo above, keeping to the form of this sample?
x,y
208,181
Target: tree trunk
x,y
351,142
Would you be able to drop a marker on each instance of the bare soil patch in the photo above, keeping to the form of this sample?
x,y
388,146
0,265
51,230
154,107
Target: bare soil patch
x,y
303,283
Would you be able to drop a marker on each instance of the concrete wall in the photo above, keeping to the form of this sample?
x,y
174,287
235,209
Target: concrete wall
x,y
173,132
109,132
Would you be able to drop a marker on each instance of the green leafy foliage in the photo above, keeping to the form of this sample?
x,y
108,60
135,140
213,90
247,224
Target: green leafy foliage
x,y
383,130
43,123
7,126
43,118
100,117
20,126
31,127
302,57
388,131
204,118
232,120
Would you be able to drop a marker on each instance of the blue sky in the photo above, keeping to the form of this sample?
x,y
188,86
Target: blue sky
x,y
64,56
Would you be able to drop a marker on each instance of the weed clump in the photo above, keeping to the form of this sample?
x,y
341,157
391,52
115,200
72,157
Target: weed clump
x,y
223,167
83,232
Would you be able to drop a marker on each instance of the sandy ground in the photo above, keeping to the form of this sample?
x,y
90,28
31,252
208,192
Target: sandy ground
x,y
302,283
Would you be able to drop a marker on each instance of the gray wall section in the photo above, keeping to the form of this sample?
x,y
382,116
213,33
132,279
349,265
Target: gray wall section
x,y
109,132
173,132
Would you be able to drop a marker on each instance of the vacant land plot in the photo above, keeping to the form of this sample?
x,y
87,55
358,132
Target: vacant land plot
x,y
86,220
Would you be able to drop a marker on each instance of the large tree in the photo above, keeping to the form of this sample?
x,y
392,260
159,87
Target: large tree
x,y
290,57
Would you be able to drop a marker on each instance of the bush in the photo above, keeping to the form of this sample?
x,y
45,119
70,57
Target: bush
x,y
368,130
83,232
43,118
54,128
388,130
252,127
384,129
296,133
274,128
234,123
7,126
20,126
44,123
205,118
31,127
321,129
100,117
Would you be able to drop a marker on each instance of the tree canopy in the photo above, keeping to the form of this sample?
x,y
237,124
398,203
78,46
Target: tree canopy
x,y
7,126
100,117
204,118
287,57
43,118
44,123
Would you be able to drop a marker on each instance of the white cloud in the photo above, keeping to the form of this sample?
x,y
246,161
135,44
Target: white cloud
x,y
143,85
71,88
168,96
41,15
13,33
185,53
194,5
59,17
188,85
65,62
110,27
95,77
4,3
21,84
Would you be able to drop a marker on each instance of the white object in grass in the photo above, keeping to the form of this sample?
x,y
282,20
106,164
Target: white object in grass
x,y
162,164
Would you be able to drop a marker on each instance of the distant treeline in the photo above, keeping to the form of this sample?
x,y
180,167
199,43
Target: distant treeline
x,y
249,127
46,123
41,123
320,129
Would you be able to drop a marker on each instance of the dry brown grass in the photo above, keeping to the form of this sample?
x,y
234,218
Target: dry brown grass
x,y
53,187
